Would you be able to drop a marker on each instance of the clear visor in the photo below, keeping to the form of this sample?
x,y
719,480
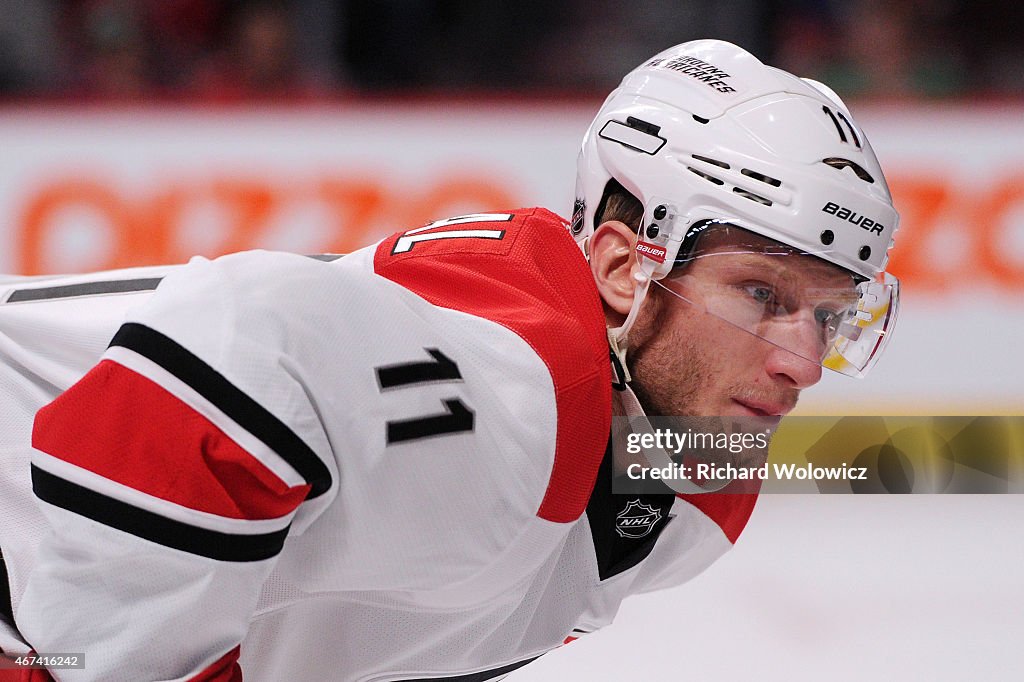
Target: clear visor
x,y
789,298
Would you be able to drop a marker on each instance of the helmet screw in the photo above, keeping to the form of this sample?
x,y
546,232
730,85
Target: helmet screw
x,y
827,237
865,252
652,230
660,212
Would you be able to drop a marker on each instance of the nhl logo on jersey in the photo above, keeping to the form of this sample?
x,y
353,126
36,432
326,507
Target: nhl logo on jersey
x,y
637,520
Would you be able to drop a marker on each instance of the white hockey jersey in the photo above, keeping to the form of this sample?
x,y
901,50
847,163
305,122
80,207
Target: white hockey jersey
x,y
376,467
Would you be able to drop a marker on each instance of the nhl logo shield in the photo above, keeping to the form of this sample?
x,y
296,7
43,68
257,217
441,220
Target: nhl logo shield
x,y
579,208
637,519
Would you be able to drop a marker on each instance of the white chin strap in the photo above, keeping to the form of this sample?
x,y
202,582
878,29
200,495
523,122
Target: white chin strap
x,y
618,342
618,336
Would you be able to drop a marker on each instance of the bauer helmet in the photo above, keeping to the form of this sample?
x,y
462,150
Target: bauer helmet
x,y
705,134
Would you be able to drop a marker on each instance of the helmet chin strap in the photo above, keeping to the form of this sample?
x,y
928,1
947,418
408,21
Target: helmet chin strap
x,y
618,342
618,336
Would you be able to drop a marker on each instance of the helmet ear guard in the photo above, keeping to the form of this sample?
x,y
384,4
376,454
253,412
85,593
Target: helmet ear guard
x,y
705,134
658,239
657,242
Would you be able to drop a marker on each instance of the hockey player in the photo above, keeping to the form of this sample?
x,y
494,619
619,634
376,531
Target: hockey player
x,y
392,465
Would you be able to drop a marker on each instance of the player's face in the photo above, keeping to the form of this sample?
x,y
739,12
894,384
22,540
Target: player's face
x,y
739,332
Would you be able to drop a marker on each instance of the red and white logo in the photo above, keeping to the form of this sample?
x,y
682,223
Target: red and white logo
x,y
652,251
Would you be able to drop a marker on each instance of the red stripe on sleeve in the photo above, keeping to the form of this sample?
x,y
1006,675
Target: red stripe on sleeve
x,y
16,673
126,428
226,669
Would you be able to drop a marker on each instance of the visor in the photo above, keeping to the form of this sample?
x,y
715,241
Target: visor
x,y
792,299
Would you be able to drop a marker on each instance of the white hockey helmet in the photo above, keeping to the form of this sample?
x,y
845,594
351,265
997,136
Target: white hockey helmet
x,y
705,131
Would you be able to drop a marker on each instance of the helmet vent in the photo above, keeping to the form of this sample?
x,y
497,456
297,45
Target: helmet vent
x,y
713,162
761,176
701,119
753,197
839,127
643,126
706,176
839,163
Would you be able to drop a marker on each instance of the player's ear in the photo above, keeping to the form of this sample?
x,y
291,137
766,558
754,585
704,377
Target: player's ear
x,y
612,262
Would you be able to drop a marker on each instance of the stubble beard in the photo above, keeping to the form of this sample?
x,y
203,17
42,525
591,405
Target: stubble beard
x,y
670,375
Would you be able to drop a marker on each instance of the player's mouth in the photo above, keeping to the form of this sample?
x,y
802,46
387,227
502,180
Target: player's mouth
x,y
760,408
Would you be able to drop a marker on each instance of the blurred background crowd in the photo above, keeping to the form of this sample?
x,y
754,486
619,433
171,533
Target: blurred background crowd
x,y
236,50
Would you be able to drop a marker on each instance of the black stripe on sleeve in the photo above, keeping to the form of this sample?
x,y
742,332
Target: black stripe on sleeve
x,y
117,286
481,676
153,527
6,609
245,411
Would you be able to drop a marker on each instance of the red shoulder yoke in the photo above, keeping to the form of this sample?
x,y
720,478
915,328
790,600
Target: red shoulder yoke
x,y
522,270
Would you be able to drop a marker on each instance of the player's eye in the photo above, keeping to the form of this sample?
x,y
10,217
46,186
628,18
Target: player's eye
x,y
829,321
763,296
825,317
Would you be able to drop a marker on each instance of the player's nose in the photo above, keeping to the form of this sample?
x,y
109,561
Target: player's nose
x,y
796,359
